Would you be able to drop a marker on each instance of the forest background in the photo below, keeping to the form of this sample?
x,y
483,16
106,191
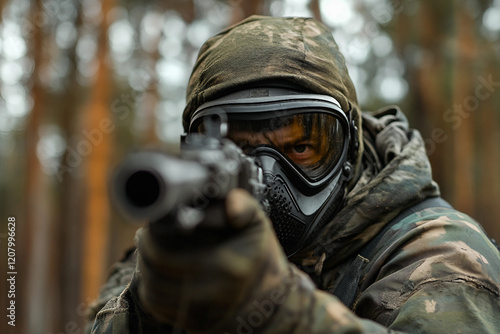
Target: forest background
x,y
84,82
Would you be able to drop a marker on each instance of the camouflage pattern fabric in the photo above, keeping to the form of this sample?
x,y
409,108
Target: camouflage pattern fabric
x,y
438,274
119,278
435,271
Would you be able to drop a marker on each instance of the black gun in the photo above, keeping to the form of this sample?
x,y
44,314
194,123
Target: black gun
x,y
151,184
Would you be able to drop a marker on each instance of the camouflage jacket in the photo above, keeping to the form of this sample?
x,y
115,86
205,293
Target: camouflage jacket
x,y
435,271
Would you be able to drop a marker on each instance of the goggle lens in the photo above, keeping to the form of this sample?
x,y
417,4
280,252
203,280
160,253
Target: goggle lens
x,y
312,141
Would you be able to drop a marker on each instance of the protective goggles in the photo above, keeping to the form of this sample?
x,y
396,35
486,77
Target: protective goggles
x,y
307,133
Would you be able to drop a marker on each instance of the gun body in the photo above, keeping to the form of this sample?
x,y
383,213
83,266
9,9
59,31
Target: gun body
x,y
151,185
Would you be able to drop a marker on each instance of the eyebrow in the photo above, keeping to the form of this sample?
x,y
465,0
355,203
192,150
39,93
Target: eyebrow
x,y
268,139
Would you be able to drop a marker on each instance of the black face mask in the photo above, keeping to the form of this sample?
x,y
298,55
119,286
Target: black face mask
x,y
302,143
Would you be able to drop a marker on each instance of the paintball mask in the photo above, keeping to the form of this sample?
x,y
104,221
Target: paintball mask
x,y
301,142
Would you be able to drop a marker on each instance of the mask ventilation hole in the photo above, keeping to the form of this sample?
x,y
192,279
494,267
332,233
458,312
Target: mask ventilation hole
x,y
288,229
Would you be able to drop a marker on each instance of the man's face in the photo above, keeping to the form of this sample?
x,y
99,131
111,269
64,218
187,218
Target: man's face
x,y
304,139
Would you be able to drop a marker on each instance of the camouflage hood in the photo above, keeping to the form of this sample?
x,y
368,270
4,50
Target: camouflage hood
x,y
398,177
263,50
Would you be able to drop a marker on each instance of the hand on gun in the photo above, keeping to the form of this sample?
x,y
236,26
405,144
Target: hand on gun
x,y
211,287
207,258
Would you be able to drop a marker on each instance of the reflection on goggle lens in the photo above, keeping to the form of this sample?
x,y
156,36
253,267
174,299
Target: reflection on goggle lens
x,y
312,141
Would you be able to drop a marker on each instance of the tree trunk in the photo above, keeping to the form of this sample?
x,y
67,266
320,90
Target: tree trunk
x,y
464,140
95,145
70,199
243,9
36,231
315,9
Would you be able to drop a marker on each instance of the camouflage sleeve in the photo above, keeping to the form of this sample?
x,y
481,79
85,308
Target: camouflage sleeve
x,y
303,310
439,274
306,309
123,314
115,316
118,279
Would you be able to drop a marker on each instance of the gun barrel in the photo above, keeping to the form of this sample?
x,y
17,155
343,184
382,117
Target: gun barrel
x,y
149,185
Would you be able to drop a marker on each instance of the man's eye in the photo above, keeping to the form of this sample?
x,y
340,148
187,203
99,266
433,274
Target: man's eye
x,y
300,148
